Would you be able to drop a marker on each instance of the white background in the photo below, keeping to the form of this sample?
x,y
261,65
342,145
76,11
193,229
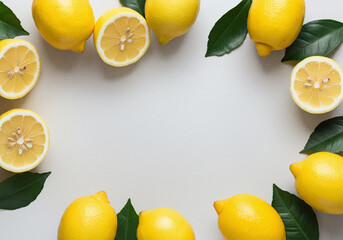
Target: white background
x,y
174,130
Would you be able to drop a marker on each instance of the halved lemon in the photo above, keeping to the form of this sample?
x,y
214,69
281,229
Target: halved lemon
x,y
24,140
121,36
316,84
19,68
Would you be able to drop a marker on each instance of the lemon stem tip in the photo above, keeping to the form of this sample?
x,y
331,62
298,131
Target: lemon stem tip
x,y
263,49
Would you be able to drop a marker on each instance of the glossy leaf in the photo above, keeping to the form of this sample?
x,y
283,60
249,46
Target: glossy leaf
x,y
327,137
137,5
21,189
9,24
299,219
127,223
229,31
317,38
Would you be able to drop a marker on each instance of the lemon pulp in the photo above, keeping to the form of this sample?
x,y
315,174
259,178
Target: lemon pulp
x,y
19,68
316,84
24,140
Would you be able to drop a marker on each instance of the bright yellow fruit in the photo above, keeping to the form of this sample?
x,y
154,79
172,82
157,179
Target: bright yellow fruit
x,y
121,36
19,68
247,217
275,24
319,181
24,140
163,223
89,218
316,85
64,24
171,18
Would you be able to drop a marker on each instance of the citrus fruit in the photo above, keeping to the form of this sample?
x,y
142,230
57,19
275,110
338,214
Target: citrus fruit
x,y
316,84
171,19
319,181
121,36
247,217
163,223
19,68
89,218
24,140
275,24
64,24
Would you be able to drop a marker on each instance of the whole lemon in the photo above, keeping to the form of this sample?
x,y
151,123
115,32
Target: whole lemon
x,y
163,223
319,181
89,218
171,18
247,217
275,24
64,24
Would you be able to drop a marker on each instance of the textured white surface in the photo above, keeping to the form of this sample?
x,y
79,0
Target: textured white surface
x,y
174,130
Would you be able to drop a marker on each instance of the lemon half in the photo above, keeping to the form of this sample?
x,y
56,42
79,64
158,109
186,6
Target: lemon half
x,y
24,140
19,68
121,36
316,84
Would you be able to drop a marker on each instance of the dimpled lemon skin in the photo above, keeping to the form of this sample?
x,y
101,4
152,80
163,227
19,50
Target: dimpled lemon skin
x,y
275,24
247,217
319,181
163,223
64,24
171,18
89,218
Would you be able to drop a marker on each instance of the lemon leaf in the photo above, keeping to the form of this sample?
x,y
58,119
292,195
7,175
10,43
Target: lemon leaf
x,y
316,38
327,137
299,218
229,31
9,24
127,223
21,189
137,5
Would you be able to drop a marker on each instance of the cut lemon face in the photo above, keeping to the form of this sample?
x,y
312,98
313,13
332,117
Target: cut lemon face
x,y
316,85
19,68
121,36
24,140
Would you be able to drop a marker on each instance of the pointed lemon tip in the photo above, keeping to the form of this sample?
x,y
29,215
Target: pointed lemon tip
x,y
263,49
79,48
163,40
101,196
218,206
295,169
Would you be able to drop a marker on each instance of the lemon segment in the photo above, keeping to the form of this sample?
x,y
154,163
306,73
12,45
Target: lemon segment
x,y
24,140
19,68
121,36
316,85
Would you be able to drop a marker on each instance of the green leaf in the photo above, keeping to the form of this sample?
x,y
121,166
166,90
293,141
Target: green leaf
x,y
327,137
9,24
21,189
299,219
127,223
137,5
317,38
229,31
